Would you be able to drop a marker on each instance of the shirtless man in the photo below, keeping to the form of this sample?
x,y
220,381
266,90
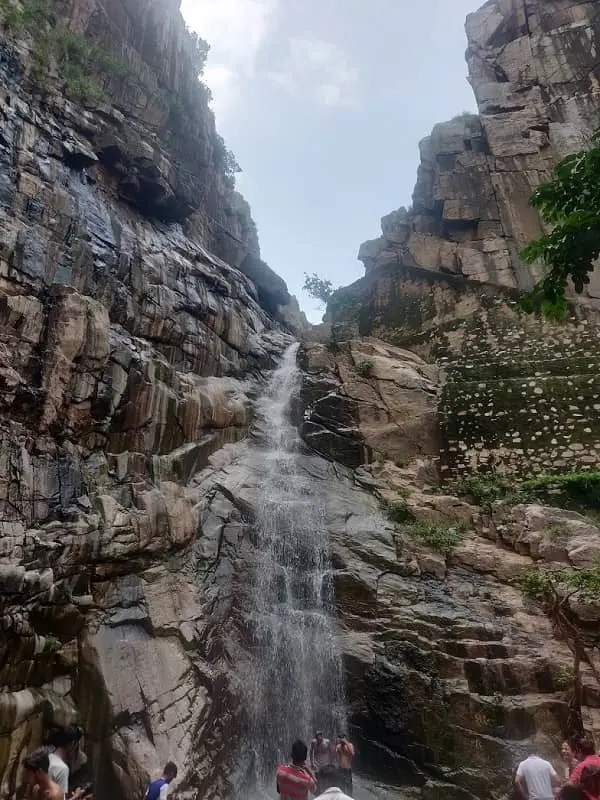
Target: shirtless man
x,y
320,755
35,775
345,754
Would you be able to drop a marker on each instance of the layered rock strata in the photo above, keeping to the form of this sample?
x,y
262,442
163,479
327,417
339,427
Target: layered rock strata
x,y
534,73
129,352
448,668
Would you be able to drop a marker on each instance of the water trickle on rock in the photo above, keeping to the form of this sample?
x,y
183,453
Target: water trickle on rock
x,y
297,683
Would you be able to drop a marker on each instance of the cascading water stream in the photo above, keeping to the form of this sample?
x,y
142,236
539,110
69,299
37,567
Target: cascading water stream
x,y
296,683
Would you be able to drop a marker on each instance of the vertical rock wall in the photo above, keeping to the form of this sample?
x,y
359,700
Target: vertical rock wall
x,y
534,72
129,351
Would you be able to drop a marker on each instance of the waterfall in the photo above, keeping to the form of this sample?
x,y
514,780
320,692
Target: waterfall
x,y
297,683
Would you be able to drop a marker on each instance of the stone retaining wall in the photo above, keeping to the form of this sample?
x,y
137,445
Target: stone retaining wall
x,y
521,394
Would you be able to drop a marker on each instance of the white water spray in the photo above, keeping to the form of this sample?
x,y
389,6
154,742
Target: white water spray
x,y
296,683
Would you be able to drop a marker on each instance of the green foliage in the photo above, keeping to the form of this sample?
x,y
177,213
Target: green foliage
x,y
81,63
31,15
485,490
200,51
574,490
398,511
571,204
51,644
443,538
317,287
542,584
225,161
365,367
563,678
537,583
577,491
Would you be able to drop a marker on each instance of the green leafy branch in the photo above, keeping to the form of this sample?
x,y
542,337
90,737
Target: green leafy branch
x,y
571,204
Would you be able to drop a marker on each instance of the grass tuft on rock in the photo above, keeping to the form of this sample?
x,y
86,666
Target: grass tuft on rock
x,y
575,491
442,538
365,368
398,511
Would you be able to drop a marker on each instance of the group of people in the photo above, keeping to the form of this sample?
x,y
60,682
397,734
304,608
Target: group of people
x,y
48,771
536,778
324,770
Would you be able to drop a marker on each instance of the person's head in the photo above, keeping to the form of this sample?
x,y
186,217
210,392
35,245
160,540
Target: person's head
x,y
585,746
329,777
35,767
567,751
572,792
319,736
299,752
66,739
342,738
170,771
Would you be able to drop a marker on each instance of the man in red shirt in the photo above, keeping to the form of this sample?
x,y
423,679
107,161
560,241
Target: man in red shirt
x,y
295,781
585,750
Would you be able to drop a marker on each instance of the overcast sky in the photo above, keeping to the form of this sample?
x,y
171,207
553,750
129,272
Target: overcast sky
x,y
324,103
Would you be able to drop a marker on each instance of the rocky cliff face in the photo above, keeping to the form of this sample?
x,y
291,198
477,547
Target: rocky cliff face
x,y
431,374
452,677
135,319
444,276
534,72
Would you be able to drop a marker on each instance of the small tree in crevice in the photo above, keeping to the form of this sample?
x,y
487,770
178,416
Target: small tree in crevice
x,y
365,368
558,592
225,161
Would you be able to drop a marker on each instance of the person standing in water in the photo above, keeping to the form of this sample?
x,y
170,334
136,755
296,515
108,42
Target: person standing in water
x,y
345,754
295,780
320,756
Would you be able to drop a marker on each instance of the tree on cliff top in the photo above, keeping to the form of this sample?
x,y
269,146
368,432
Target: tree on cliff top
x,y
199,52
318,288
571,204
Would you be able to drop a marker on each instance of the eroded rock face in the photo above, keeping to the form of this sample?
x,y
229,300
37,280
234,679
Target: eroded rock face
x,y
129,352
534,74
366,397
446,664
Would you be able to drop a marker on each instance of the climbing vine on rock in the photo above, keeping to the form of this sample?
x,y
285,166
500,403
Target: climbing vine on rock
x,y
571,204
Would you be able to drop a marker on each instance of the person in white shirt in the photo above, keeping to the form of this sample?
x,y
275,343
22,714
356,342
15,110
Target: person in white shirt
x,y
65,741
537,778
329,782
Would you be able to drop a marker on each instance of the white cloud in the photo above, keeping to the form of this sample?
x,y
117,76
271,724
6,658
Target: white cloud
x,y
320,71
236,31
